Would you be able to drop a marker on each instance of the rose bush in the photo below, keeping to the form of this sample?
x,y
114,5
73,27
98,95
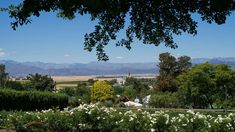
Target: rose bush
x,y
95,117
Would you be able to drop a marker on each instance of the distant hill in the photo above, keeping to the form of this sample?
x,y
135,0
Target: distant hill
x,y
219,60
94,68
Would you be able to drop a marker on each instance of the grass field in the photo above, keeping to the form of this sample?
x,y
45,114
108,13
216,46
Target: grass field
x,y
71,78
72,81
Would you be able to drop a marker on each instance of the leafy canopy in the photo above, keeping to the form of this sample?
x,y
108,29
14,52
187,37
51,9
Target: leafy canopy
x,y
152,21
208,85
41,82
169,68
101,91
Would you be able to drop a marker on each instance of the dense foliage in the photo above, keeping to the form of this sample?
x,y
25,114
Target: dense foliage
x,y
96,118
139,87
165,100
101,91
41,82
169,68
30,100
3,76
153,22
208,85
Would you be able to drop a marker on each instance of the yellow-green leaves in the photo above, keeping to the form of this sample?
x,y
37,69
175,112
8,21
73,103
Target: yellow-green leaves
x,y
101,91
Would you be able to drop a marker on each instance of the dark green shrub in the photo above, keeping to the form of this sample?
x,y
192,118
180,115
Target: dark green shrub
x,y
69,91
84,94
15,85
41,82
30,100
74,101
165,100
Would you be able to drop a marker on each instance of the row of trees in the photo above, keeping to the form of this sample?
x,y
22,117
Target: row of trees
x,y
208,85
35,82
199,86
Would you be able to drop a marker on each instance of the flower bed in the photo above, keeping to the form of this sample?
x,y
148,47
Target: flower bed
x,y
97,118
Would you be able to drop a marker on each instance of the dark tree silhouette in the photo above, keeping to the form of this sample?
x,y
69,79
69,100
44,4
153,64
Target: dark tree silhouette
x,y
3,76
152,21
169,68
41,82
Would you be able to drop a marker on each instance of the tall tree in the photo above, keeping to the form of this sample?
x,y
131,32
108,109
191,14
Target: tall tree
x,y
3,76
169,68
152,21
183,64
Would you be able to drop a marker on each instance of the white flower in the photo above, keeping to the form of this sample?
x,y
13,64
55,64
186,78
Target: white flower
x,y
131,119
184,124
191,112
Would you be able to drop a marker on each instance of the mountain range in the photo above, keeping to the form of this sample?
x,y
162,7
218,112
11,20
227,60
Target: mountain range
x,y
15,68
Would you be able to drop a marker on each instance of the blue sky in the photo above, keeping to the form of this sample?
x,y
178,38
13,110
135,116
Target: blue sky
x,y
52,39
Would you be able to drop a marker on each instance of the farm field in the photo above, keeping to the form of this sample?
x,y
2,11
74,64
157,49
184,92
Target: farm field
x,y
71,78
72,81
106,77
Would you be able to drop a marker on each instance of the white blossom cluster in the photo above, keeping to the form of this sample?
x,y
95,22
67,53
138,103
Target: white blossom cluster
x,y
94,115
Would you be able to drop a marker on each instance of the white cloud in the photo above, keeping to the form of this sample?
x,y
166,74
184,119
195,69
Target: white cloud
x,y
67,55
119,57
2,53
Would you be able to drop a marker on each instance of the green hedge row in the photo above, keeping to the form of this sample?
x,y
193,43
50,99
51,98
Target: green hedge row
x,y
31,100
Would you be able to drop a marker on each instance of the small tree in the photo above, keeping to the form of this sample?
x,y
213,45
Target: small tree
x,y
101,91
41,82
3,76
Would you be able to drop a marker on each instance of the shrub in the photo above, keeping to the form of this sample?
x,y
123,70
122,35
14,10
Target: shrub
x,y
30,100
84,94
130,92
101,91
165,100
14,85
91,118
69,91
41,82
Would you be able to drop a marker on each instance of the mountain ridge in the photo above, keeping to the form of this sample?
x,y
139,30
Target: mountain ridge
x,y
15,68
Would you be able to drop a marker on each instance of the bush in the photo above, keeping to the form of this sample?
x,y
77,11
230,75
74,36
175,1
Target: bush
x,y
165,100
84,94
130,92
101,91
69,91
91,118
41,82
30,100
14,85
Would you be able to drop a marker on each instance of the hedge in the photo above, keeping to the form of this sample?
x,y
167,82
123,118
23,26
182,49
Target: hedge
x,y
31,100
